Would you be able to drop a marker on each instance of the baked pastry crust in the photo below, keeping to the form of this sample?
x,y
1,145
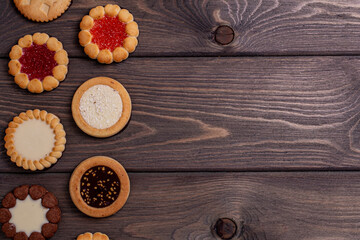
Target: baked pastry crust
x,y
90,236
42,10
48,200
126,111
49,82
74,186
118,54
59,145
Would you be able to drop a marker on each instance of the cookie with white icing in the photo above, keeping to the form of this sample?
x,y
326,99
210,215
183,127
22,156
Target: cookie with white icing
x,y
101,107
30,212
35,139
108,33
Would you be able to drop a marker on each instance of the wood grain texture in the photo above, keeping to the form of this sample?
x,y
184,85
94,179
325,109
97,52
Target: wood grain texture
x,y
201,114
266,206
186,27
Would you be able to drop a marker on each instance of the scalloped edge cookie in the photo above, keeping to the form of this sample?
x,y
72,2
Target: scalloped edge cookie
x,y
41,11
36,192
90,236
59,145
49,82
126,111
120,53
74,186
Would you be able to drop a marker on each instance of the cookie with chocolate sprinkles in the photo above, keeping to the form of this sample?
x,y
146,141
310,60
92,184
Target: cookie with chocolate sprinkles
x,y
99,186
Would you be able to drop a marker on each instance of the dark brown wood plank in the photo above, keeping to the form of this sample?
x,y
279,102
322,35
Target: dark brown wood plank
x,y
186,27
265,206
213,113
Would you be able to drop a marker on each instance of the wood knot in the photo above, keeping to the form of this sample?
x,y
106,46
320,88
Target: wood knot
x,y
224,35
225,228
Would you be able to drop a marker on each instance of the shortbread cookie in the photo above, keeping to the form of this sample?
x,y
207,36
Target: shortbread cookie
x,y
42,10
99,186
35,139
38,62
90,236
101,107
30,212
108,33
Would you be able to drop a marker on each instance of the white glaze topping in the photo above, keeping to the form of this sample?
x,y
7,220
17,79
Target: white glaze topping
x,y
28,215
101,106
34,139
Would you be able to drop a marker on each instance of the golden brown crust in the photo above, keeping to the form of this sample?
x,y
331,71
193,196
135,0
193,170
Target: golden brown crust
x,y
90,236
60,72
92,50
118,54
42,10
25,41
84,38
59,145
22,80
112,10
105,56
35,85
16,52
74,186
132,29
86,23
126,111
40,38
125,16
130,44
14,67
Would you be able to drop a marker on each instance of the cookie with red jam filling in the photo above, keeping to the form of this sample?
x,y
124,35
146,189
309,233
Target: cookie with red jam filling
x,y
108,33
38,62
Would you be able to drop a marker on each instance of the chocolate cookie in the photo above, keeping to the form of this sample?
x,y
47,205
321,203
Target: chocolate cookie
x,y
30,213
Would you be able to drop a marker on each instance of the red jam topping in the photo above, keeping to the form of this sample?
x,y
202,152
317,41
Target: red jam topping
x,y
37,61
108,33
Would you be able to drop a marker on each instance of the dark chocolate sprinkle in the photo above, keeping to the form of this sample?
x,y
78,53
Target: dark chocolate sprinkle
x,y
99,186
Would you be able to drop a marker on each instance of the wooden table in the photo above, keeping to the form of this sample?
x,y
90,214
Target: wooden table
x,y
264,131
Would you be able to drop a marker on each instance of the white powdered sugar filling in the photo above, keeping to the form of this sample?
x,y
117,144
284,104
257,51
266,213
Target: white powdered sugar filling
x,y
101,106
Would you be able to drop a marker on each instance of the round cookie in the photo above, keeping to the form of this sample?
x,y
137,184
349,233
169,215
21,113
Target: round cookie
x,y
99,186
90,236
35,139
108,33
101,107
42,10
30,212
38,62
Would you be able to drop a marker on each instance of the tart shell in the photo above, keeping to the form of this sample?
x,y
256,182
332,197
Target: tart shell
x,y
119,125
74,186
118,54
58,73
59,145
